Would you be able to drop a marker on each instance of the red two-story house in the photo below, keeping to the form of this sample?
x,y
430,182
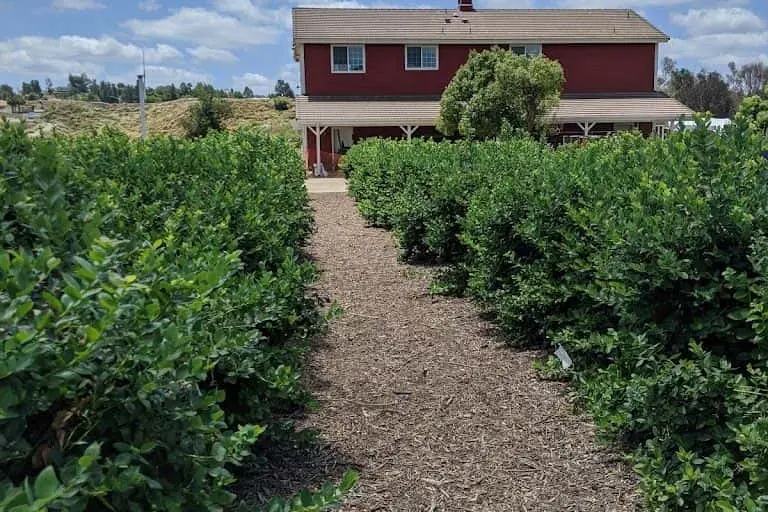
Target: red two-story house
x,y
380,72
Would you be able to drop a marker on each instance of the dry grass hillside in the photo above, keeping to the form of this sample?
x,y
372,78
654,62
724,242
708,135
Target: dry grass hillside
x,y
74,117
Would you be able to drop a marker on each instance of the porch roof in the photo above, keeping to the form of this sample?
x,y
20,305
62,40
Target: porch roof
x,y
425,112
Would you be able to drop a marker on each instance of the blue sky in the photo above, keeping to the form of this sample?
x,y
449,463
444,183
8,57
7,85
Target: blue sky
x,y
233,43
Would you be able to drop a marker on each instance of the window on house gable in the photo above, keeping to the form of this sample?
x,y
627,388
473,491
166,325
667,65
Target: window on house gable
x,y
421,57
529,50
348,59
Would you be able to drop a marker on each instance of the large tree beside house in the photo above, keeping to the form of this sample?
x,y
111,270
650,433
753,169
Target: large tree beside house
x,y
497,88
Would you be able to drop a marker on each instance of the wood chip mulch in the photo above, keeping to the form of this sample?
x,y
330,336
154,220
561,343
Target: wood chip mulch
x,y
418,393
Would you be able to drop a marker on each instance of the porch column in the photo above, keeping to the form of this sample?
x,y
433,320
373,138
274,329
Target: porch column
x,y
586,126
409,130
304,146
318,131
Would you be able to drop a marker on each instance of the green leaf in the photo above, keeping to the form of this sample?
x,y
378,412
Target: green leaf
x,y
52,263
92,334
739,314
52,301
46,483
306,498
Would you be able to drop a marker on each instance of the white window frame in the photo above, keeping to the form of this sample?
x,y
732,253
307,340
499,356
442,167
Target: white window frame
x,y
437,57
347,46
527,47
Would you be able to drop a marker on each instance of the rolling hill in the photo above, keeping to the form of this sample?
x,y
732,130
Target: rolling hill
x,y
72,117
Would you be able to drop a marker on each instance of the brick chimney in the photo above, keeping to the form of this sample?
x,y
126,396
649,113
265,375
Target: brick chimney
x,y
466,6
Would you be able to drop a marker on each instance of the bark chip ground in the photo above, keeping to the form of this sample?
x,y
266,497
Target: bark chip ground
x,y
419,395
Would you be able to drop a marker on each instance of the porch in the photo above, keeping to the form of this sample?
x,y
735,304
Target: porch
x,y
330,126
328,144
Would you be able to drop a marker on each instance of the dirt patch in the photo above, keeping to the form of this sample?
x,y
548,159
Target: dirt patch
x,y
418,393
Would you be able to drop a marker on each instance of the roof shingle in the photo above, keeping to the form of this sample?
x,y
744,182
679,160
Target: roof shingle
x,y
328,26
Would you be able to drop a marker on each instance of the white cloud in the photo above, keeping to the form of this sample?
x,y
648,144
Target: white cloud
x,y
259,12
75,54
149,5
616,4
505,4
718,21
206,28
78,5
259,84
719,49
161,75
289,73
212,54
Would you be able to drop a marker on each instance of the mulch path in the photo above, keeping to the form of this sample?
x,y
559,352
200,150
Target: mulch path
x,y
419,394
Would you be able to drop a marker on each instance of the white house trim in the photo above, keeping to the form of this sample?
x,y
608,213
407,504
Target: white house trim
x,y
586,126
526,47
318,131
302,70
365,59
437,56
409,130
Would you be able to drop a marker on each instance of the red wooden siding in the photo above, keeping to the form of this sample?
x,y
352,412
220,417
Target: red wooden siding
x,y
385,72
593,68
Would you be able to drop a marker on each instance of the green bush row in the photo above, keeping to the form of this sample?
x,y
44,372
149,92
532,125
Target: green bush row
x,y
153,312
646,259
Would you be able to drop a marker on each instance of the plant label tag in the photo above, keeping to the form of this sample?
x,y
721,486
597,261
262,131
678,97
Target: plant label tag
x,y
564,358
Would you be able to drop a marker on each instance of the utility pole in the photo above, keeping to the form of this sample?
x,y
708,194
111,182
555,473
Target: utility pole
x,y
142,98
142,113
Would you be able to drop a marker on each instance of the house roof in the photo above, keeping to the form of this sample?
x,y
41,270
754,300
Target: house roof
x,y
503,26
396,112
614,109
366,112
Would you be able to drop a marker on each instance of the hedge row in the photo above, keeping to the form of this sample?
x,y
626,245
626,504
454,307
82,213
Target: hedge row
x,y
153,312
646,259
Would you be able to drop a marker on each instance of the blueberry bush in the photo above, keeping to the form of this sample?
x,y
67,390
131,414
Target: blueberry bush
x,y
646,259
154,311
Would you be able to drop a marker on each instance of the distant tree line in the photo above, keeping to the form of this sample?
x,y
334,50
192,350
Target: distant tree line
x,y
82,87
710,91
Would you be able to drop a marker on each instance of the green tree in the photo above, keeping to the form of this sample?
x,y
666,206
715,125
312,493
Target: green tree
x,y
32,89
49,86
497,88
16,101
703,92
282,88
247,92
6,92
748,80
755,110
79,83
206,115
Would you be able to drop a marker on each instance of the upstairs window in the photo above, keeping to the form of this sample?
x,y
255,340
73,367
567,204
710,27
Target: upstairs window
x,y
421,57
529,50
348,59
